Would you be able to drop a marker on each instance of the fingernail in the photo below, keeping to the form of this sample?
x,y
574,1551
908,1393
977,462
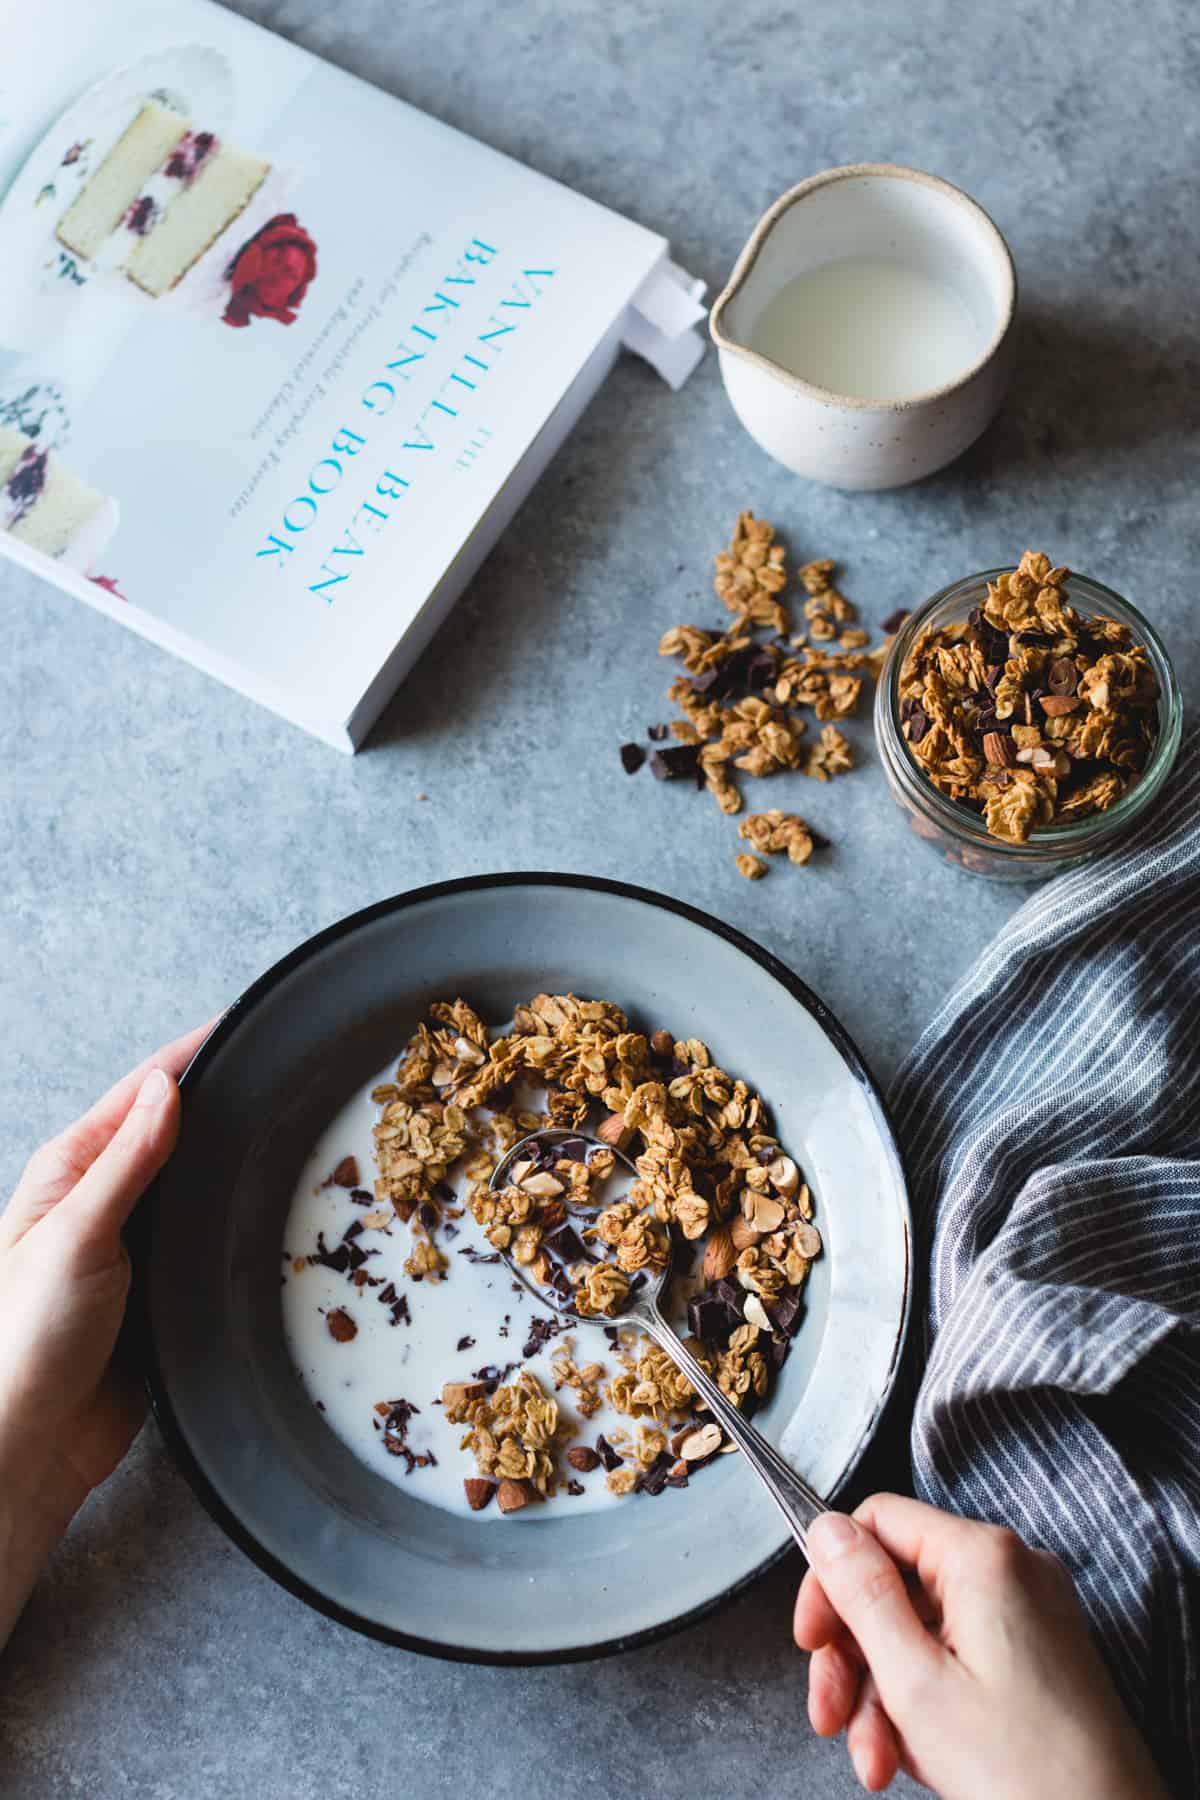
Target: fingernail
x,y
832,1535
153,1090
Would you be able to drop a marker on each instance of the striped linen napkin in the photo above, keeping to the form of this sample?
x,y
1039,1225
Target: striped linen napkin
x,y
1051,1119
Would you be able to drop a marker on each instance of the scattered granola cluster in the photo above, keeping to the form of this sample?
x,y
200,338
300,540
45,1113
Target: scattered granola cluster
x,y
741,690
709,1170
1027,711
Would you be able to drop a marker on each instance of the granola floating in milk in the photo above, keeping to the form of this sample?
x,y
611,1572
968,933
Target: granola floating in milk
x,y
566,1410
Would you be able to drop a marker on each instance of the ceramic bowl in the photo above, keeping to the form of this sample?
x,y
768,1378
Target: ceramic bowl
x,y
868,209
276,1069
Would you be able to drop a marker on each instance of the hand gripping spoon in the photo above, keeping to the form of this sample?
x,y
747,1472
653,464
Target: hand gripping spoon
x,y
798,1503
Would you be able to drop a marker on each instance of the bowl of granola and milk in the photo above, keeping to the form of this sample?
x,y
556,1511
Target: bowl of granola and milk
x,y
355,1383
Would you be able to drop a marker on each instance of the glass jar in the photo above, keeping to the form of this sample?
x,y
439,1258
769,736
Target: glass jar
x,y
958,832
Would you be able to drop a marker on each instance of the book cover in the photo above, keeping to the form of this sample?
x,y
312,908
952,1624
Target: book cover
x,y
279,354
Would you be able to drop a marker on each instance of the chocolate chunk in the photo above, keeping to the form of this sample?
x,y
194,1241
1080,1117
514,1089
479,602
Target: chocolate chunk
x,y
612,1334
677,1481
709,1318
992,642
608,1456
449,1228
1039,639
571,1149
540,1333
492,1376
477,1256
895,619
992,678
362,1196
338,1260
785,1313
678,762
465,1343
918,724
632,758
353,1230
654,1479
341,1326
777,1352
428,1215
1062,677
565,1242
733,1296
658,733
575,1487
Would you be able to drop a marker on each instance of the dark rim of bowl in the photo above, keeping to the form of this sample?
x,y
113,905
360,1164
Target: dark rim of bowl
x,y
140,1247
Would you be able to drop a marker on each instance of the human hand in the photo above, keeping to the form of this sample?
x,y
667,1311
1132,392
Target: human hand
x,y
951,1650
68,1413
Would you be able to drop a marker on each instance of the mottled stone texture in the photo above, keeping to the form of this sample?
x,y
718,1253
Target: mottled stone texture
x,y
164,840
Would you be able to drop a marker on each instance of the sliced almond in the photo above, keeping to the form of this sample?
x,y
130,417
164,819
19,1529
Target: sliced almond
x,y
807,1239
785,1177
379,1219
743,1234
700,1443
520,1170
762,1212
442,1075
457,1393
755,1313
542,1186
468,1052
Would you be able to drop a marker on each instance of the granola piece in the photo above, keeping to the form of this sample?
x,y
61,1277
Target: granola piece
x,y
515,1433
831,755
751,574
752,867
775,832
600,1289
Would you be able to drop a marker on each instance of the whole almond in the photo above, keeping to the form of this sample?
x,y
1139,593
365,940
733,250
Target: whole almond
x,y
999,748
614,1131
1056,706
583,1458
719,1254
478,1492
743,1234
513,1495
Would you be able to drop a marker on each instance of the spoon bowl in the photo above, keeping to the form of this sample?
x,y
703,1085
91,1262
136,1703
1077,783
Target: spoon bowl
x,y
797,1501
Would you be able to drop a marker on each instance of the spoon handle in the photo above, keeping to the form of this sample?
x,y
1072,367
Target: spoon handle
x,y
798,1503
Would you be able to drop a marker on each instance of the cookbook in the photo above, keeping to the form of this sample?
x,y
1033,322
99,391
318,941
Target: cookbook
x,y
280,355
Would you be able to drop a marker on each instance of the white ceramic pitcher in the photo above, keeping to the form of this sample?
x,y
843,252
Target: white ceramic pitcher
x,y
877,210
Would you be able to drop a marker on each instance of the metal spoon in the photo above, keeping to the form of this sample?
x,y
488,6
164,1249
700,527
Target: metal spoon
x,y
798,1503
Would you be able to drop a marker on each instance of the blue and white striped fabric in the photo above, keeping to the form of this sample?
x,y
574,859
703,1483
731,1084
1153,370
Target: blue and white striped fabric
x,y
1051,1119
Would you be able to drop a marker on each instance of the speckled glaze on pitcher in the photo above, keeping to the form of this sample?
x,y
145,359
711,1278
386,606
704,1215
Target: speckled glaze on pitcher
x,y
876,209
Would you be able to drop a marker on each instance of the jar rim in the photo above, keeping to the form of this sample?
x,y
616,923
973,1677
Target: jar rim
x,y
1052,841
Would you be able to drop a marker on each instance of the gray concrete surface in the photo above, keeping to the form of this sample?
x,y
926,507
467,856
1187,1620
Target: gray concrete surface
x,y
164,840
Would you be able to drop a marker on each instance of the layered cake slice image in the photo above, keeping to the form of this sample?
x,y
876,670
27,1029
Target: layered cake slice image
x,y
44,505
196,215
111,191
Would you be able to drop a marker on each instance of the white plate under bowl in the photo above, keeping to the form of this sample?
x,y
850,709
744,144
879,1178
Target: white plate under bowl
x,y
277,1068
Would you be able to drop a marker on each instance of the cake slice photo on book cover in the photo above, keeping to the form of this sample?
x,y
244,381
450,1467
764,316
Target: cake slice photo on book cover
x,y
281,355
